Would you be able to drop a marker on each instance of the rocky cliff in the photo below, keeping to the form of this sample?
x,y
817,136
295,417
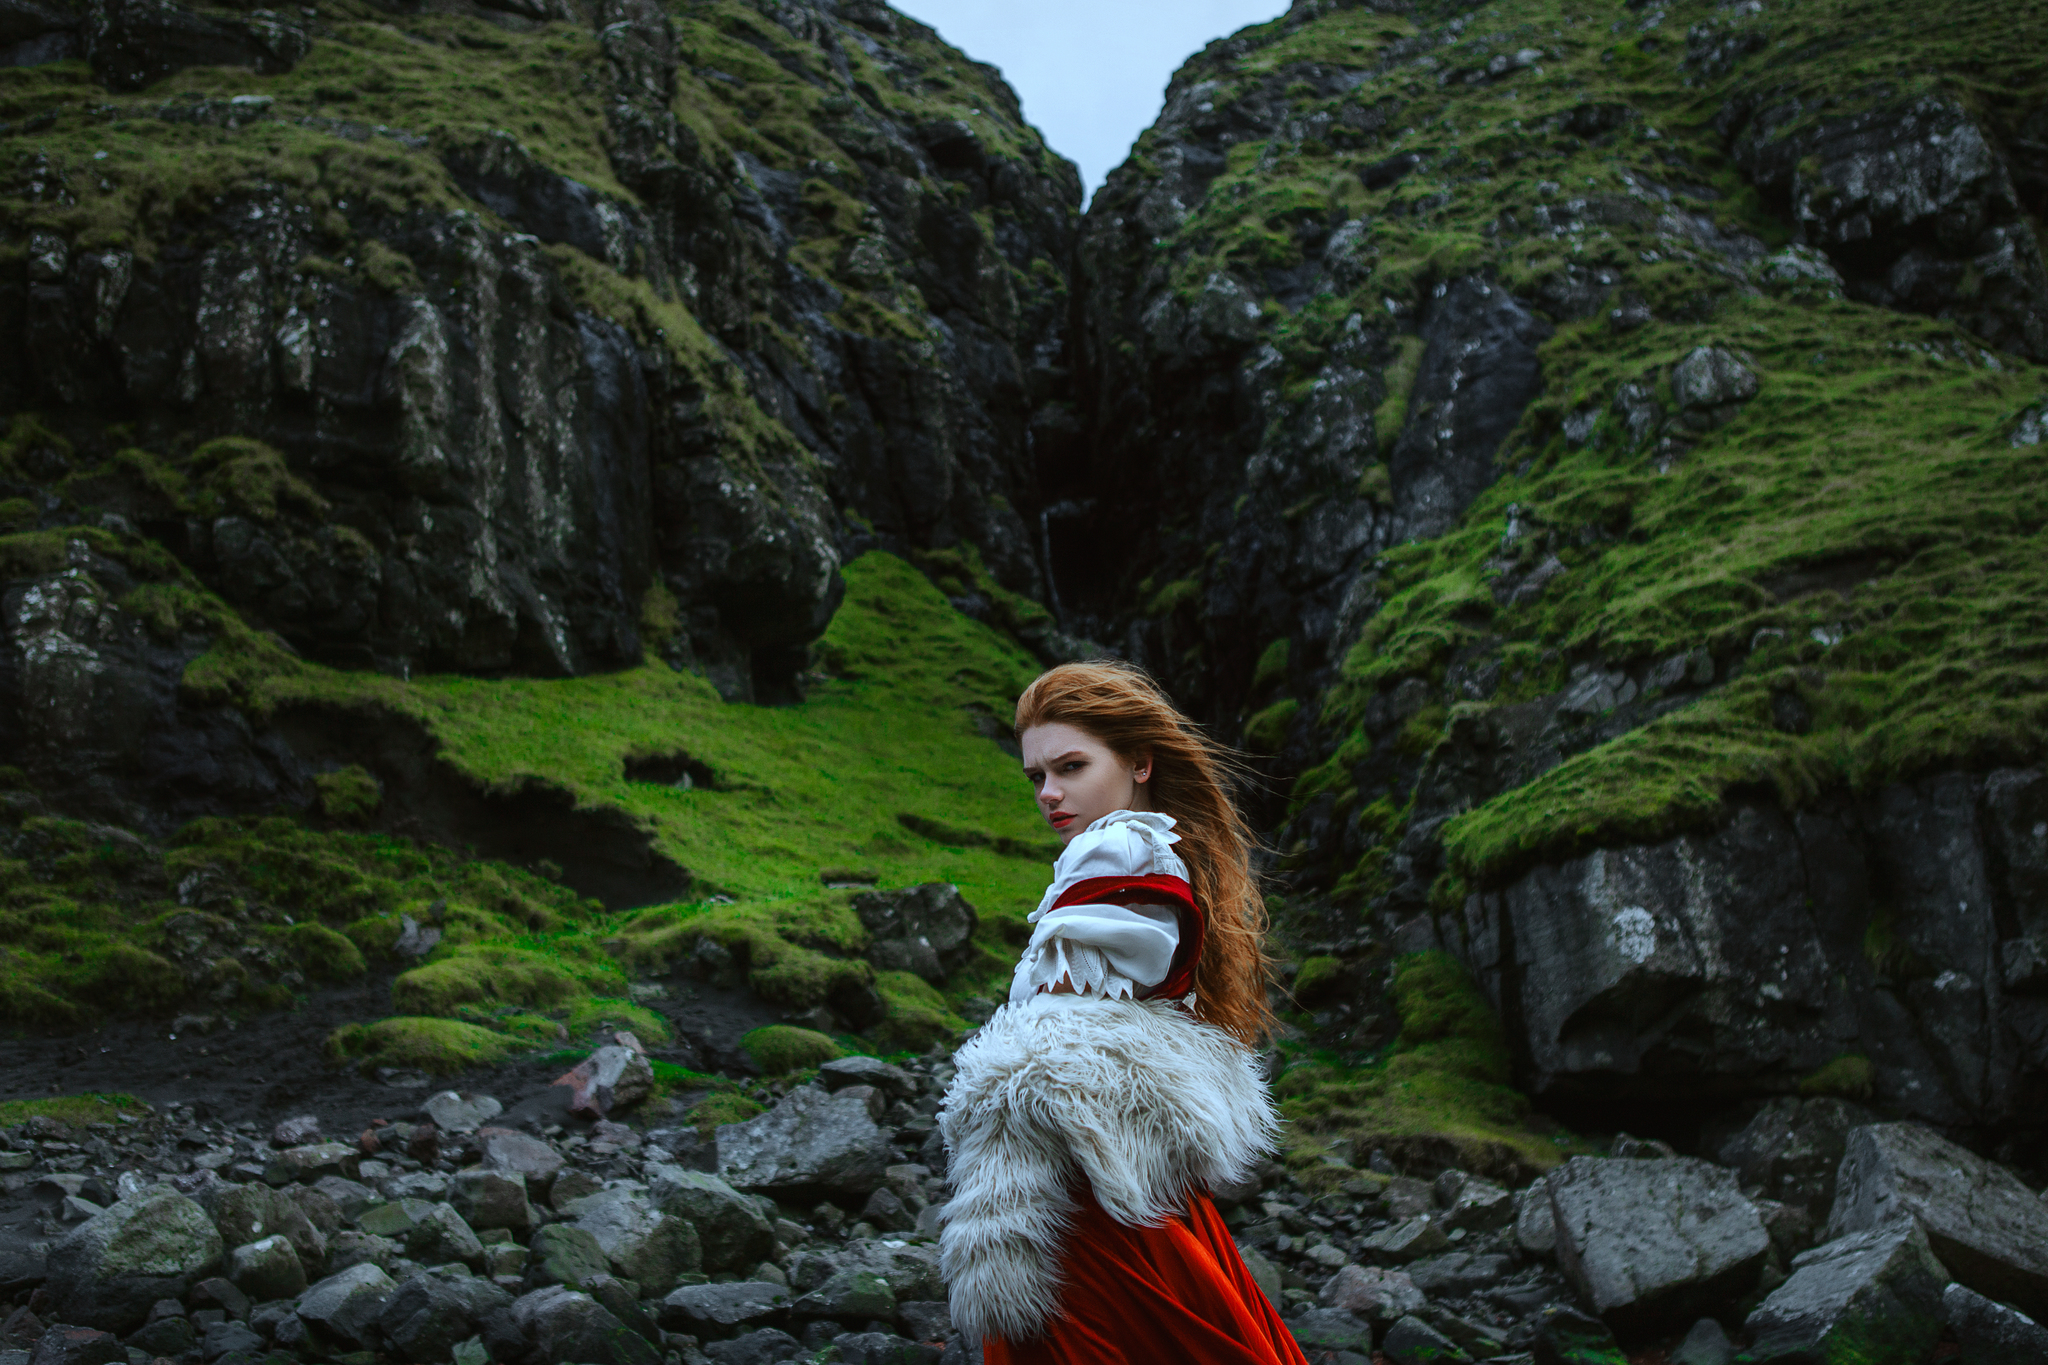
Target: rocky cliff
x,y
1589,450
573,330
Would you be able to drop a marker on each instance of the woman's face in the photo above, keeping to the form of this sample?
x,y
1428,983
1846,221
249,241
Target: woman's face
x,y
1078,779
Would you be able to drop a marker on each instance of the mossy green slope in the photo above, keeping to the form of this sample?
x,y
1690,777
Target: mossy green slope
x,y
896,724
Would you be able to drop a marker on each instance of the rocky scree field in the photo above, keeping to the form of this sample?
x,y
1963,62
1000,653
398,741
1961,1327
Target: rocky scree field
x,y
521,526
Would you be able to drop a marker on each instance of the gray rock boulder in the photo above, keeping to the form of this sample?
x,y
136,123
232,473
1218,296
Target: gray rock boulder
x,y
639,1241
924,929
1992,1333
459,1111
110,1269
429,1314
515,1153
1378,1295
1873,1297
892,1081
341,1311
564,1254
1792,1148
764,1347
1535,1227
488,1198
267,1269
249,1213
1982,1223
1710,382
566,1325
1706,1344
1331,1329
615,1077
1653,1243
68,1345
1411,1341
752,1303
733,1234
1405,1241
813,1142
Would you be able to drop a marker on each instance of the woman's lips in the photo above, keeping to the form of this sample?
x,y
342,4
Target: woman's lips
x,y
1061,819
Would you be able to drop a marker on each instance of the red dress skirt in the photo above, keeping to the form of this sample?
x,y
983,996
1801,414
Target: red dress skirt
x,y
1177,1293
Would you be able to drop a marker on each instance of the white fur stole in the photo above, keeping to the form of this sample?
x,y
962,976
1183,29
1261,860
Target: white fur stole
x,y
1139,1098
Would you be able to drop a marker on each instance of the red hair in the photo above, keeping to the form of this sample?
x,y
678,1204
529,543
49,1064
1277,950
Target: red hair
x,y
1123,707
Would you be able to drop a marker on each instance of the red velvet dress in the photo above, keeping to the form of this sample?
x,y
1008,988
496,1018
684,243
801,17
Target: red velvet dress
x,y
1178,1293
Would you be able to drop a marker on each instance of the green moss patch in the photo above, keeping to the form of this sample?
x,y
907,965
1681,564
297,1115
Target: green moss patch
x,y
440,1047
780,1049
1438,1097
75,1110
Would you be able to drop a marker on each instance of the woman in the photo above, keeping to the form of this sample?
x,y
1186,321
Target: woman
x,y
1092,1114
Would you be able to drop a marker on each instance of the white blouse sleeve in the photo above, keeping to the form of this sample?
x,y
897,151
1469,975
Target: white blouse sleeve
x,y
1112,951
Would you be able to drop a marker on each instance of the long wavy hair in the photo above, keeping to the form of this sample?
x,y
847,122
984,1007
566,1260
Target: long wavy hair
x,y
1123,707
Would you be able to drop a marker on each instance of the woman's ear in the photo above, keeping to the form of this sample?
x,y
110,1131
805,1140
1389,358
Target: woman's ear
x,y
1141,768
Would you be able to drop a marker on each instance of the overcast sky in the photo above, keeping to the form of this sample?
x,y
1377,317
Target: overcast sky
x,y
1091,72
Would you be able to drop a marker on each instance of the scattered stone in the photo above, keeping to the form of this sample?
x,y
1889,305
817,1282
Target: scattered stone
x,y
1792,1148
1331,1329
926,1321
566,1325
268,1269
1455,1274
343,1309
812,1141
1479,1206
515,1153
1378,1295
924,929
731,1230
348,1196
858,1295
1649,1243
690,1308
893,1081
488,1198
110,1269
639,1241
66,1345
1709,378
1535,1227
765,1347
1991,1333
1706,1344
221,1338
1411,1341
1404,1242
429,1314
1876,1295
459,1111
296,1132
1566,1336
561,1254
313,1162
1981,1222
615,1077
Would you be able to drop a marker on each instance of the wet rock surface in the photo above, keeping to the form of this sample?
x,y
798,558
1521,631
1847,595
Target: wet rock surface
x,y
628,1254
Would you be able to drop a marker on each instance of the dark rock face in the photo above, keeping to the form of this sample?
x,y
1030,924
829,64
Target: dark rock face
x,y
1915,204
483,468
1266,482
1754,955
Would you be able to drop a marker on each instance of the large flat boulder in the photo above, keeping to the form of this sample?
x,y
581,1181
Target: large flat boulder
x,y
733,1233
639,1241
1992,1333
1984,1225
114,1266
1873,1297
1654,1243
811,1142
566,1325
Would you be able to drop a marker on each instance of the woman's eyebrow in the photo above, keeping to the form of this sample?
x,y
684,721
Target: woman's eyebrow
x,y
1061,758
